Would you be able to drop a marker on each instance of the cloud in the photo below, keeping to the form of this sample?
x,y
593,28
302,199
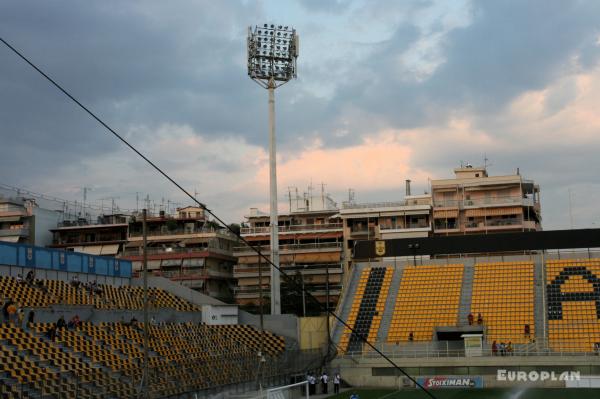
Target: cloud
x,y
331,6
379,162
386,91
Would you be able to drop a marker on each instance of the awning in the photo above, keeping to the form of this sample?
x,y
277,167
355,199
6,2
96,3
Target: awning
x,y
74,249
10,218
480,212
509,210
91,249
110,249
139,243
451,213
10,239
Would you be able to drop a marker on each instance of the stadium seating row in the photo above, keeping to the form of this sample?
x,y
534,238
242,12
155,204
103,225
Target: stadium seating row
x,y
107,296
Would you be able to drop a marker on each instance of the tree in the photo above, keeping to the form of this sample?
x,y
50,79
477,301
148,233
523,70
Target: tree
x,y
236,228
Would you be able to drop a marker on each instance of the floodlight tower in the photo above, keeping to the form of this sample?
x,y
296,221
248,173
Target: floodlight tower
x,y
272,54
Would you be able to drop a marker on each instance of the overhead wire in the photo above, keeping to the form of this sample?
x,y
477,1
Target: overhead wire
x,y
288,279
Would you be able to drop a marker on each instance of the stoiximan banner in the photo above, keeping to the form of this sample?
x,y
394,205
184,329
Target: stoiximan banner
x,y
451,382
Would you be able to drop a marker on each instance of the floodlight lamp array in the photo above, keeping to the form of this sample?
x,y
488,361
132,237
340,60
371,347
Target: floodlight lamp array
x,y
272,53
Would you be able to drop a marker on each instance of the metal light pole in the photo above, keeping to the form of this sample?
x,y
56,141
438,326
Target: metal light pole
x,y
272,54
145,374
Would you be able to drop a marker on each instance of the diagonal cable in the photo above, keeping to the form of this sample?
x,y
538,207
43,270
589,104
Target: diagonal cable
x,y
203,206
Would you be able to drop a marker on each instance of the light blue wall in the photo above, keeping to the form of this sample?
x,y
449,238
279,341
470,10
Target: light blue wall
x,y
53,259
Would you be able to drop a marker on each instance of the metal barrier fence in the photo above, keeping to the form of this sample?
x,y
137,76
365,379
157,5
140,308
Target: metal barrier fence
x,y
534,349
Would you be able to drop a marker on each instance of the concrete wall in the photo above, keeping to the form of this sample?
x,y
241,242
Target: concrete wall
x,y
179,290
312,332
285,325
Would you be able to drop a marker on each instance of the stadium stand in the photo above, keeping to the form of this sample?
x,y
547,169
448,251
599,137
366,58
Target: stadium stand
x,y
429,296
51,292
105,359
367,308
573,297
503,293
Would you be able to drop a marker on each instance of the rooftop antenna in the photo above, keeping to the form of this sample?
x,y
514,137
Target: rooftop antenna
x,y
486,163
85,191
137,201
290,197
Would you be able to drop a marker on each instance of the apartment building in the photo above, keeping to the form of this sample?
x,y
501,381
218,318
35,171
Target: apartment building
x,y
310,239
410,217
22,220
107,237
473,202
187,248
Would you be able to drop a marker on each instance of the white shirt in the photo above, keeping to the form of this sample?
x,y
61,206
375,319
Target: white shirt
x,y
324,378
336,379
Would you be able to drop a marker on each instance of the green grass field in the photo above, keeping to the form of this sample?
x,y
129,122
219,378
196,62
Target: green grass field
x,y
492,393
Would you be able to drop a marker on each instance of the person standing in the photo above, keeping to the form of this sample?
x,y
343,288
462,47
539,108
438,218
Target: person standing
x,y
312,384
324,381
336,383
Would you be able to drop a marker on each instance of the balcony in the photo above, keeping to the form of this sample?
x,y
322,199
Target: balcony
x,y
490,225
356,231
293,228
347,205
483,202
179,232
137,251
411,227
312,247
241,271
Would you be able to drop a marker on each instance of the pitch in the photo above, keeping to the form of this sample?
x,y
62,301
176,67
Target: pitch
x,y
492,393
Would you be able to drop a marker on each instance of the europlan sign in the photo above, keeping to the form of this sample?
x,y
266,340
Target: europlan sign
x,y
451,382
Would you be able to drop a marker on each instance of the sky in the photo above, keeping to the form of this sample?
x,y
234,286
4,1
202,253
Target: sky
x,y
386,91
